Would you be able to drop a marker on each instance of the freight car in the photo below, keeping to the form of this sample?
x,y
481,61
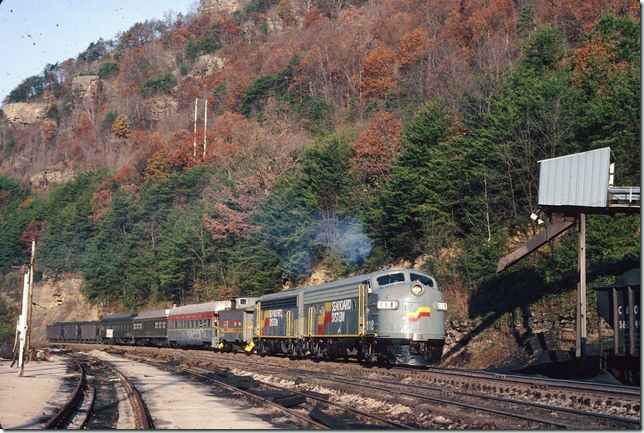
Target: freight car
x,y
235,325
71,331
54,332
117,329
150,328
194,325
619,305
387,316
90,332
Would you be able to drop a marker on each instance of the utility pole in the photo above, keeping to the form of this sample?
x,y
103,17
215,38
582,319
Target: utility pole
x,y
22,321
580,346
205,126
31,295
194,145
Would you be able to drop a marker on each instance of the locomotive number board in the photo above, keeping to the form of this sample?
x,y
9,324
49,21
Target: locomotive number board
x,y
387,305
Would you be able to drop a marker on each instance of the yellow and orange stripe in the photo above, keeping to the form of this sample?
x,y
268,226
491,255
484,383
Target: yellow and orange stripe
x,y
421,312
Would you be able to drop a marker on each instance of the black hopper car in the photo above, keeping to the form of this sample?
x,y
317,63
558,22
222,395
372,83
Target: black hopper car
x,y
619,305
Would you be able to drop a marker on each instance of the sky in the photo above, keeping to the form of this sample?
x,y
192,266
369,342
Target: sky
x,y
34,33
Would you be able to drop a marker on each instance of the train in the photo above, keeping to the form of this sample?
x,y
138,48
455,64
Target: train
x,y
394,316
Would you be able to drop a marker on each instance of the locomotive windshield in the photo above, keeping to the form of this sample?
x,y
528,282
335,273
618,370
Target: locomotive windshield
x,y
421,279
391,278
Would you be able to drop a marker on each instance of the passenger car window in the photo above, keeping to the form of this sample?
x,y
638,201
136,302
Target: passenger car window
x,y
391,278
422,279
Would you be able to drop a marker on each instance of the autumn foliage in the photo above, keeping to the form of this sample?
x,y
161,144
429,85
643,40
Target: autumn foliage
x,y
324,118
121,127
34,231
376,148
378,77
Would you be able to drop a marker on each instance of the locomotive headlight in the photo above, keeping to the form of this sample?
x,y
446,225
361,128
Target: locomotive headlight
x,y
417,290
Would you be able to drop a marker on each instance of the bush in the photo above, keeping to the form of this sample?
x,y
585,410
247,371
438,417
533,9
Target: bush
x,y
9,145
108,121
108,69
52,113
209,42
162,84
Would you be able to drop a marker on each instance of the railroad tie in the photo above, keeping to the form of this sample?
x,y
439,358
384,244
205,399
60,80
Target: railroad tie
x,y
330,421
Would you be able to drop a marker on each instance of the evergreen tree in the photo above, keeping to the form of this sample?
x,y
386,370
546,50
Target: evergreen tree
x,y
414,212
121,127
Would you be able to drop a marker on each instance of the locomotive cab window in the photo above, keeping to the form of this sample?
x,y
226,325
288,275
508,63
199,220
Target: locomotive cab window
x,y
421,279
391,278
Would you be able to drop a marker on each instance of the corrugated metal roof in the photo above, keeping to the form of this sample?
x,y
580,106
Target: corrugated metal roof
x,y
580,179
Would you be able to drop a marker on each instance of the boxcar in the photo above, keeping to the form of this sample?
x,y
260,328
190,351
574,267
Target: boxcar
x,y
235,326
90,332
117,329
150,328
194,325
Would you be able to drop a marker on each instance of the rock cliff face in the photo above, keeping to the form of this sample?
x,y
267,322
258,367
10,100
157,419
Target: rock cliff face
x,y
217,6
59,301
24,113
206,64
158,108
87,87
40,180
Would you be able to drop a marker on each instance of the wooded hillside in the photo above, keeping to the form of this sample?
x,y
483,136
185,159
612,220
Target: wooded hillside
x,y
342,134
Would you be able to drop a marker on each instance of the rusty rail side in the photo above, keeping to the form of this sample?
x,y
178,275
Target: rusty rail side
x,y
62,416
258,398
143,419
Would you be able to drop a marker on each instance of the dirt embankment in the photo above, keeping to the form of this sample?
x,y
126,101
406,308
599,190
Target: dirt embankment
x,y
59,301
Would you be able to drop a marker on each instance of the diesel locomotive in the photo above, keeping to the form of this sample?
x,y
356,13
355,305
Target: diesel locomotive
x,y
393,317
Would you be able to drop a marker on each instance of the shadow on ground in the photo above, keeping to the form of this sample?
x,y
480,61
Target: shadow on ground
x,y
520,289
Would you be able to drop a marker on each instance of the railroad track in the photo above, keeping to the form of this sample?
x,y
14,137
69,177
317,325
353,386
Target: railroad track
x,y
577,404
580,392
543,414
310,409
91,404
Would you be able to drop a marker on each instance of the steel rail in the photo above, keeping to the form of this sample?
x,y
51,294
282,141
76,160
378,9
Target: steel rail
x,y
442,400
419,396
519,402
263,400
142,415
464,393
341,406
64,413
350,409
617,390
455,403
90,408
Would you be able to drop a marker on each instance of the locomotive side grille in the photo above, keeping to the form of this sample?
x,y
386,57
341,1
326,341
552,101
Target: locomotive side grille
x,y
280,303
